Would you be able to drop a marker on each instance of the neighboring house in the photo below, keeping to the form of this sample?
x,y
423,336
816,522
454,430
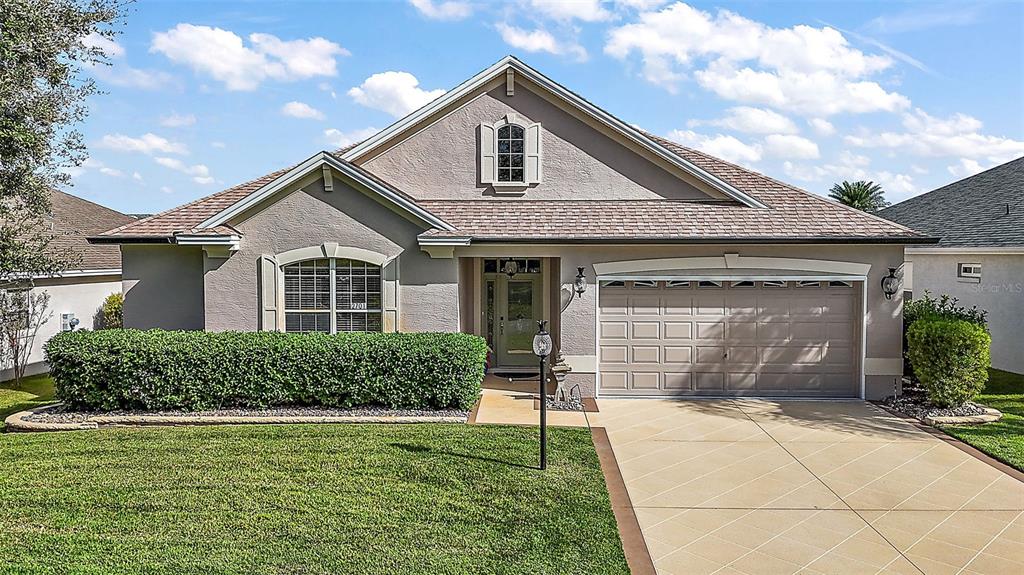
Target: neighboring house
x,y
473,213
79,293
980,256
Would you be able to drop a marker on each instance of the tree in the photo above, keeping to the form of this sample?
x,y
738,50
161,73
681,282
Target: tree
x,y
865,196
22,313
45,48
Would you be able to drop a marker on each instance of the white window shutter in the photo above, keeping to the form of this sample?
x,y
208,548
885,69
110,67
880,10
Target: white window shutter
x,y
488,159
268,294
389,294
533,154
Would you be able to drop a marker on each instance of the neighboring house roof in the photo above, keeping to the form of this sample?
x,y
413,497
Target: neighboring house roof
x,y
984,210
74,219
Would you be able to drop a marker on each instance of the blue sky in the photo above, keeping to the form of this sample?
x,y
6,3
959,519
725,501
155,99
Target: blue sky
x,y
204,95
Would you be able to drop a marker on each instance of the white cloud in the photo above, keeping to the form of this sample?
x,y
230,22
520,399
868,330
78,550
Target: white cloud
x,y
199,172
94,164
119,73
396,93
791,147
965,168
539,40
445,10
821,126
957,136
218,145
723,146
752,121
341,139
924,18
568,10
853,167
802,69
176,120
223,55
147,143
166,190
109,46
640,5
137,176
301,110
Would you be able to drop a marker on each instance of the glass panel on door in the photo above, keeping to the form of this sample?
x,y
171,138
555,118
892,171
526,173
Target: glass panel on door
x,y
520,323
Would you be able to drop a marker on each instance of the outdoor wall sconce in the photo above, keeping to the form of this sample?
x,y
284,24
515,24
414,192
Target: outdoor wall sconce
x,y
578,287
542,346
890,284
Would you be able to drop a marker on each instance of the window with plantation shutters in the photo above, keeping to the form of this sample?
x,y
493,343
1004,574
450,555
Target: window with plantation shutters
x,y
332,295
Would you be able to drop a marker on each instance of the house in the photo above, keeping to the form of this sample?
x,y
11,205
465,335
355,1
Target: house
x,y
980,256
475,212
76,294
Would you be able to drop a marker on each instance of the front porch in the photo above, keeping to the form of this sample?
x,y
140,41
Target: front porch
x,y
506,401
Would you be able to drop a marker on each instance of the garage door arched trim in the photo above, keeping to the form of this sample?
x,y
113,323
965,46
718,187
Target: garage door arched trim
x,y
733,261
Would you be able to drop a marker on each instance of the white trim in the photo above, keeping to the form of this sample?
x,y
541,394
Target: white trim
x,y
79,273
330,250
449,241
201,240
863,338
510,62
979,251
296,173
732,261
732,277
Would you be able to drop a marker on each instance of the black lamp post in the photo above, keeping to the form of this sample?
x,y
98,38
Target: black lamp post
x,y
542,348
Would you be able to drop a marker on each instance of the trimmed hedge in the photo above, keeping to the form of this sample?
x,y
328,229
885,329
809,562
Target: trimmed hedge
x,y
943,307
950,358
194,370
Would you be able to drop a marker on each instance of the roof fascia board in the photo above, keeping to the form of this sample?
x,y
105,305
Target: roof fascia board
x,y
80,273
967,250
576,101
299,171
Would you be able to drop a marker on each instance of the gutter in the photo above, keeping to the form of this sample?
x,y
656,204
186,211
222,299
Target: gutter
x,y
719,240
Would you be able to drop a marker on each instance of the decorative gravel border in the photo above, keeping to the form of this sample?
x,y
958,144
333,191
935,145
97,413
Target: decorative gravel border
x,y
989,416
23,420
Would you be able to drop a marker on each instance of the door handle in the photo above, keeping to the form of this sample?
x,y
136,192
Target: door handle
x,y
501,326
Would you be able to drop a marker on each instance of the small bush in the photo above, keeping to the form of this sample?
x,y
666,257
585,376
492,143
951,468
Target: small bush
x,y
944,307
950,357
165,370
113,311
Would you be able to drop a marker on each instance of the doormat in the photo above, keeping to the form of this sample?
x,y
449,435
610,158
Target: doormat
x,y
515,374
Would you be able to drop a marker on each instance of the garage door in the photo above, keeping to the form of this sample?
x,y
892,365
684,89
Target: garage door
x,y
722,338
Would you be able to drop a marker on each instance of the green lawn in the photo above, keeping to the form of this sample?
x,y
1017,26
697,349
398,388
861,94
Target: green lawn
x,y
1003,439
290,500
33,391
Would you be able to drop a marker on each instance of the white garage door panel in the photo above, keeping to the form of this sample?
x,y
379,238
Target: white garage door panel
x,y
729,340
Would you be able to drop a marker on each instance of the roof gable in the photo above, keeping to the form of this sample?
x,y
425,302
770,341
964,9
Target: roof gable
x,y
400,128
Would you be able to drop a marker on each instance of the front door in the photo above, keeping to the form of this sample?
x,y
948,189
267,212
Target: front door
x,y
513,305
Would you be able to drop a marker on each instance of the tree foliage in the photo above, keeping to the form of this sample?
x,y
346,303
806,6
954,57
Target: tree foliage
x,y
22,313
46,50
865,196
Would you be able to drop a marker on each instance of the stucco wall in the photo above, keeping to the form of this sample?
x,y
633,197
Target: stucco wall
x,y
163,286
81,296
428,290
579,321
1000,292
441,161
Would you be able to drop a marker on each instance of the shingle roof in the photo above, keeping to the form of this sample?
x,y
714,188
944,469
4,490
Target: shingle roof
x,y
793,214
74,219
986,209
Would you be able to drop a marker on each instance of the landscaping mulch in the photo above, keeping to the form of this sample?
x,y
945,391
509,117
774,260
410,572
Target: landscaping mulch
x,y
61,414
914,403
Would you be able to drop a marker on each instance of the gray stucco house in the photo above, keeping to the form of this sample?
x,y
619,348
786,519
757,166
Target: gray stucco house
x,y
980,255
473,214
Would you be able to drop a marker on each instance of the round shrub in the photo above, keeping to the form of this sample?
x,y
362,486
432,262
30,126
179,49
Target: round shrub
x,y
197,370
113,311
950,357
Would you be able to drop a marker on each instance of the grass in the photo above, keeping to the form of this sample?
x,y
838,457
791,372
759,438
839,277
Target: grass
x,y
290,500
1003,439
34,391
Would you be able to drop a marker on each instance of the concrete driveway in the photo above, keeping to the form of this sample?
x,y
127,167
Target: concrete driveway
x,y
758,487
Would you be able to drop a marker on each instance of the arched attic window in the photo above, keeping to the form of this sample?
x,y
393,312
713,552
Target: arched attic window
x,y
332,295
510,152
